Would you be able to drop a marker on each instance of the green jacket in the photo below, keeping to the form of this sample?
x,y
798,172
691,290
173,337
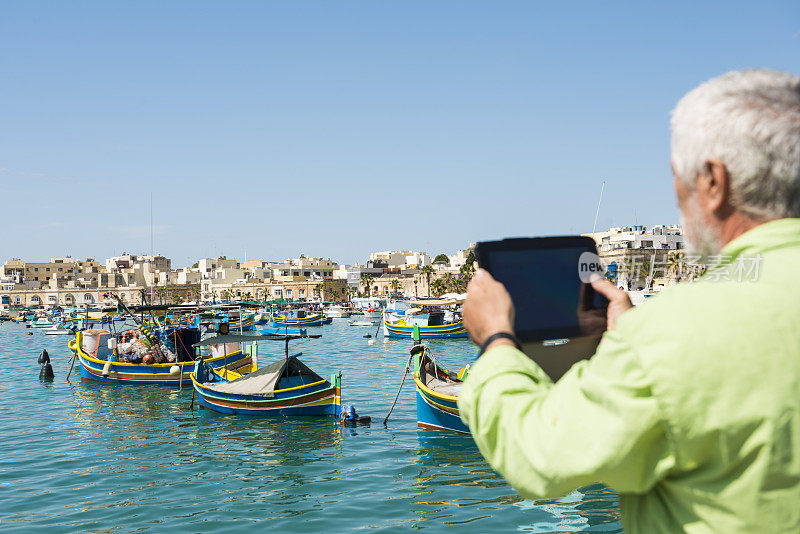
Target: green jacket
x,y
690,408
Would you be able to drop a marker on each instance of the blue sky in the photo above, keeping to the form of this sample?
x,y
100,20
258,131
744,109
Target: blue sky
x,y
338,128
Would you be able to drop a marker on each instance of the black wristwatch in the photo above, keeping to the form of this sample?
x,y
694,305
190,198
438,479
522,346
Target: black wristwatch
x,y
499,335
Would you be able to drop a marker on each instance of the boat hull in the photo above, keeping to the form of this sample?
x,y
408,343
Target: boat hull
x,y
310,320
425,332
155,374
315,400
436,412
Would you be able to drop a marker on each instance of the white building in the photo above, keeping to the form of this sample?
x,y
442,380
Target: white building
x,y
392,258
417,260
206,265
352,274
639,238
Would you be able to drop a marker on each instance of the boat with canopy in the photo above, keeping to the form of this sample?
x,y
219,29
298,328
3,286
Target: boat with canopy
x,y
432,318
285,387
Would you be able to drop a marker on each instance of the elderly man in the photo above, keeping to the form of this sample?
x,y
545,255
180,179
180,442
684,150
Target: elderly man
x,y
690,407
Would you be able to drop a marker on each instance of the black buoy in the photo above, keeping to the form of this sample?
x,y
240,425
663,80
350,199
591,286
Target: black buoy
x,y
46,372
367,336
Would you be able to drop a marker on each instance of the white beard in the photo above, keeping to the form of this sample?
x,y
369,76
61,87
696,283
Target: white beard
x,y
701,240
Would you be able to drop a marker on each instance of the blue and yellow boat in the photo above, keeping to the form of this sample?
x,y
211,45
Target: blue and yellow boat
x,y
97,363
430,316
401,329
297,318
286,387
437,394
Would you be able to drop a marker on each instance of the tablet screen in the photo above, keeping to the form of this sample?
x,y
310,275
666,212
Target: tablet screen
x,y
543,283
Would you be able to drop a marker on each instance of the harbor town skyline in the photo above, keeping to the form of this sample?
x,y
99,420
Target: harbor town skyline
x,y
638,258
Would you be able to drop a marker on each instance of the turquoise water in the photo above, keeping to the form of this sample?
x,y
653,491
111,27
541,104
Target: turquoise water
x,y
84,457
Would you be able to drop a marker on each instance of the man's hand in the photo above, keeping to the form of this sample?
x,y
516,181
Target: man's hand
x,y
488,309
618,300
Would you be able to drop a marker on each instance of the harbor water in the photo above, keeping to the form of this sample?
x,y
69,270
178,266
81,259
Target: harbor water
x,y
103,458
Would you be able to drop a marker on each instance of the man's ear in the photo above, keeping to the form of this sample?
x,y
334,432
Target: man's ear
x,y
713,187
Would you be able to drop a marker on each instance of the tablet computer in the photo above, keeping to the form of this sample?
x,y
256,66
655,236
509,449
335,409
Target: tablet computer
x,y
559,318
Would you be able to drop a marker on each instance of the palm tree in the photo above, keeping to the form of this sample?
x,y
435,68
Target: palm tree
x,y
465,275
334,293
470,260
225,294
438,287
176,298
160,294
676,261
214,295
427,271
318,289
461,281
196,293
247,296
449,282
395,284
367,280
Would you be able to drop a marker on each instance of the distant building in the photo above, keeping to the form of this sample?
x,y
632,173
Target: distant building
x,y
308,267
126,262
639,238
392,258
642,259
206,265
14,268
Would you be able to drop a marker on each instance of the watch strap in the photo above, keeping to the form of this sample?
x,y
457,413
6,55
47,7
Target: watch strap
x,y
496,336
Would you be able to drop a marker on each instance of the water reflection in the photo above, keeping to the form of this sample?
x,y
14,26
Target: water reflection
x,y
592,508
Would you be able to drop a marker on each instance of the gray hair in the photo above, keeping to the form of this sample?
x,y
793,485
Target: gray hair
x,y
750,121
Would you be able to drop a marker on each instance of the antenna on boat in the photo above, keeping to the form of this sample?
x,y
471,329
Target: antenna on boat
x,y
151,243
594,228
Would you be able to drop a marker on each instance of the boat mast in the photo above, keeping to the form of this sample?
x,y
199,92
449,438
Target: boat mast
x,y
594,228
151,245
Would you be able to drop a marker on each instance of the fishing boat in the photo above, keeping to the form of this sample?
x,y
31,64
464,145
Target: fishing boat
x,y
42,322
431,325
372,314
285,387
58,329
437,393
297,318
432,318
101,361
371,307
245,322
337,311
